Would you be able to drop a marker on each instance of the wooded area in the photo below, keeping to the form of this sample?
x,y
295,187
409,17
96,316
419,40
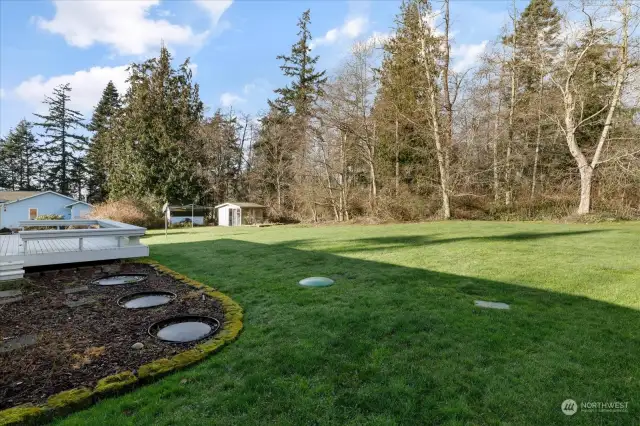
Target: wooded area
x,y
546,125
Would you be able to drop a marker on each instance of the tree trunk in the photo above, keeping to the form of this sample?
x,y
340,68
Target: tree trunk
x,y
496,178
534,175
433,110
397,170
586,175
512,106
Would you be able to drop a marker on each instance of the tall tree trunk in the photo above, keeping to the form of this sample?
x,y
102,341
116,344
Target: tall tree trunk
x,y
397,168
496,177
534,175
433,111
508,194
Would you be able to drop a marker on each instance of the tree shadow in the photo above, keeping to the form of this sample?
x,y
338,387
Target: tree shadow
x,y
399,241
404,345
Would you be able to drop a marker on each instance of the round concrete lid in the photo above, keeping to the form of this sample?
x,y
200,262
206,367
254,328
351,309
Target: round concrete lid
x,y
316,282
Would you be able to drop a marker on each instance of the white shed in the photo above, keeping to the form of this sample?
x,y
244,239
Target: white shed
x,y
235,214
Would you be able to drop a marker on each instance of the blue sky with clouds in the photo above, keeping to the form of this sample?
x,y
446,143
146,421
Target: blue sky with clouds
x,y
232,44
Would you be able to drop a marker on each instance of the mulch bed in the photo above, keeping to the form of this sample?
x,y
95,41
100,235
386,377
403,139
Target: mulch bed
x,y
80,345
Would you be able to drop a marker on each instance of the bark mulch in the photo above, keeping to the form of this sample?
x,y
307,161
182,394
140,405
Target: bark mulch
x,y
77,346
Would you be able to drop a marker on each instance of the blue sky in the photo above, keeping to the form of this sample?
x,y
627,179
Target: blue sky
x,y
232,44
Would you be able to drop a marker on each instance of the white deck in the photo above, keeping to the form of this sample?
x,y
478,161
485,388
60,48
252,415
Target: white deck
x,y
52,251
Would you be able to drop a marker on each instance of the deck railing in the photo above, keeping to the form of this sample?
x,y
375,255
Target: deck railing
x,y
105,228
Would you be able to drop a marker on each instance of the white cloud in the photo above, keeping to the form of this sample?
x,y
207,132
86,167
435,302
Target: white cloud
x,y
215,8
259,85
87,87
378,39
125,26
467,55
2,93
193,67
228,99
351,29
164,13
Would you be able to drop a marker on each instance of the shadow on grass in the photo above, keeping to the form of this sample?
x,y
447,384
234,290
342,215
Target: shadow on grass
x,y
390,345
401,241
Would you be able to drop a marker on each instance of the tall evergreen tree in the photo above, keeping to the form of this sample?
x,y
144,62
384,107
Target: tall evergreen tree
x,y
155,141
300,66
63,146
100,149
290,117
19,158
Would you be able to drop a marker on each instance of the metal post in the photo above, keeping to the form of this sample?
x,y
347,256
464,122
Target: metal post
x,y
192,214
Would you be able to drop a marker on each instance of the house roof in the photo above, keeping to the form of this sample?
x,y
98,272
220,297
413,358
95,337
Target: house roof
x,y
240,204
32,195
6,196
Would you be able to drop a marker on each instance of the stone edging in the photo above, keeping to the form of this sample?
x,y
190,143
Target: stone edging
x,y
72,400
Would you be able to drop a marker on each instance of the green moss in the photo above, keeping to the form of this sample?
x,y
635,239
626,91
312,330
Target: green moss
x,y
155,368
73,397
22,414
66,401
188,357
211,346
115,383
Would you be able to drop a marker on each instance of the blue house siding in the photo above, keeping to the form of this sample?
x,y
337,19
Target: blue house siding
x,y
47,203
80,211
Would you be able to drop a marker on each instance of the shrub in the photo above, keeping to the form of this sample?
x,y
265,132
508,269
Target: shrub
x,y
127,210
50,217
45,217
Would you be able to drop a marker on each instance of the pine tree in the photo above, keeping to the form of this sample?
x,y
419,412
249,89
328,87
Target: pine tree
x,y
299,65
155,143
62,145
100,148
19,158
538,29
289,118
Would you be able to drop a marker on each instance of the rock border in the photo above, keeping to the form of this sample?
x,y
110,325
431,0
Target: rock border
x,y
68,401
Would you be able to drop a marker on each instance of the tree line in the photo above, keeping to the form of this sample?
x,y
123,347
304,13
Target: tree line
x,y
546,124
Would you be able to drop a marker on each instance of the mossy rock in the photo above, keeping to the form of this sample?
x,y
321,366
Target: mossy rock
x,y
115,383
188,357
22,414
70,400
156,368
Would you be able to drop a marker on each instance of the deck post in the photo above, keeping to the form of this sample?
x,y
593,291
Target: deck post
x,y
119,241
80,243
24,244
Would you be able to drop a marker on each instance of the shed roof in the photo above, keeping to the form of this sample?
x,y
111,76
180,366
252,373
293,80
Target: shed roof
x,y
6,196
68,206
241,205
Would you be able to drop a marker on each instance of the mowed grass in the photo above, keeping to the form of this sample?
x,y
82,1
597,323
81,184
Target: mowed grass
x,y
397,339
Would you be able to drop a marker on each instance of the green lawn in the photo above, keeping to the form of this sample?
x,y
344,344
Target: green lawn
x,y
397,339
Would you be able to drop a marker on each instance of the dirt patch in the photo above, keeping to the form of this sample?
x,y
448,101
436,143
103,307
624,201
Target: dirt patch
x,y
79,343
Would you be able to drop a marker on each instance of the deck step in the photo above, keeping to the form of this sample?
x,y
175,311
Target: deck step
x,y
9,266
15,274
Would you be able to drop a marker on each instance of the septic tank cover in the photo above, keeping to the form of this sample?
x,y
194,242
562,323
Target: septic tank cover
x,y
316,282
